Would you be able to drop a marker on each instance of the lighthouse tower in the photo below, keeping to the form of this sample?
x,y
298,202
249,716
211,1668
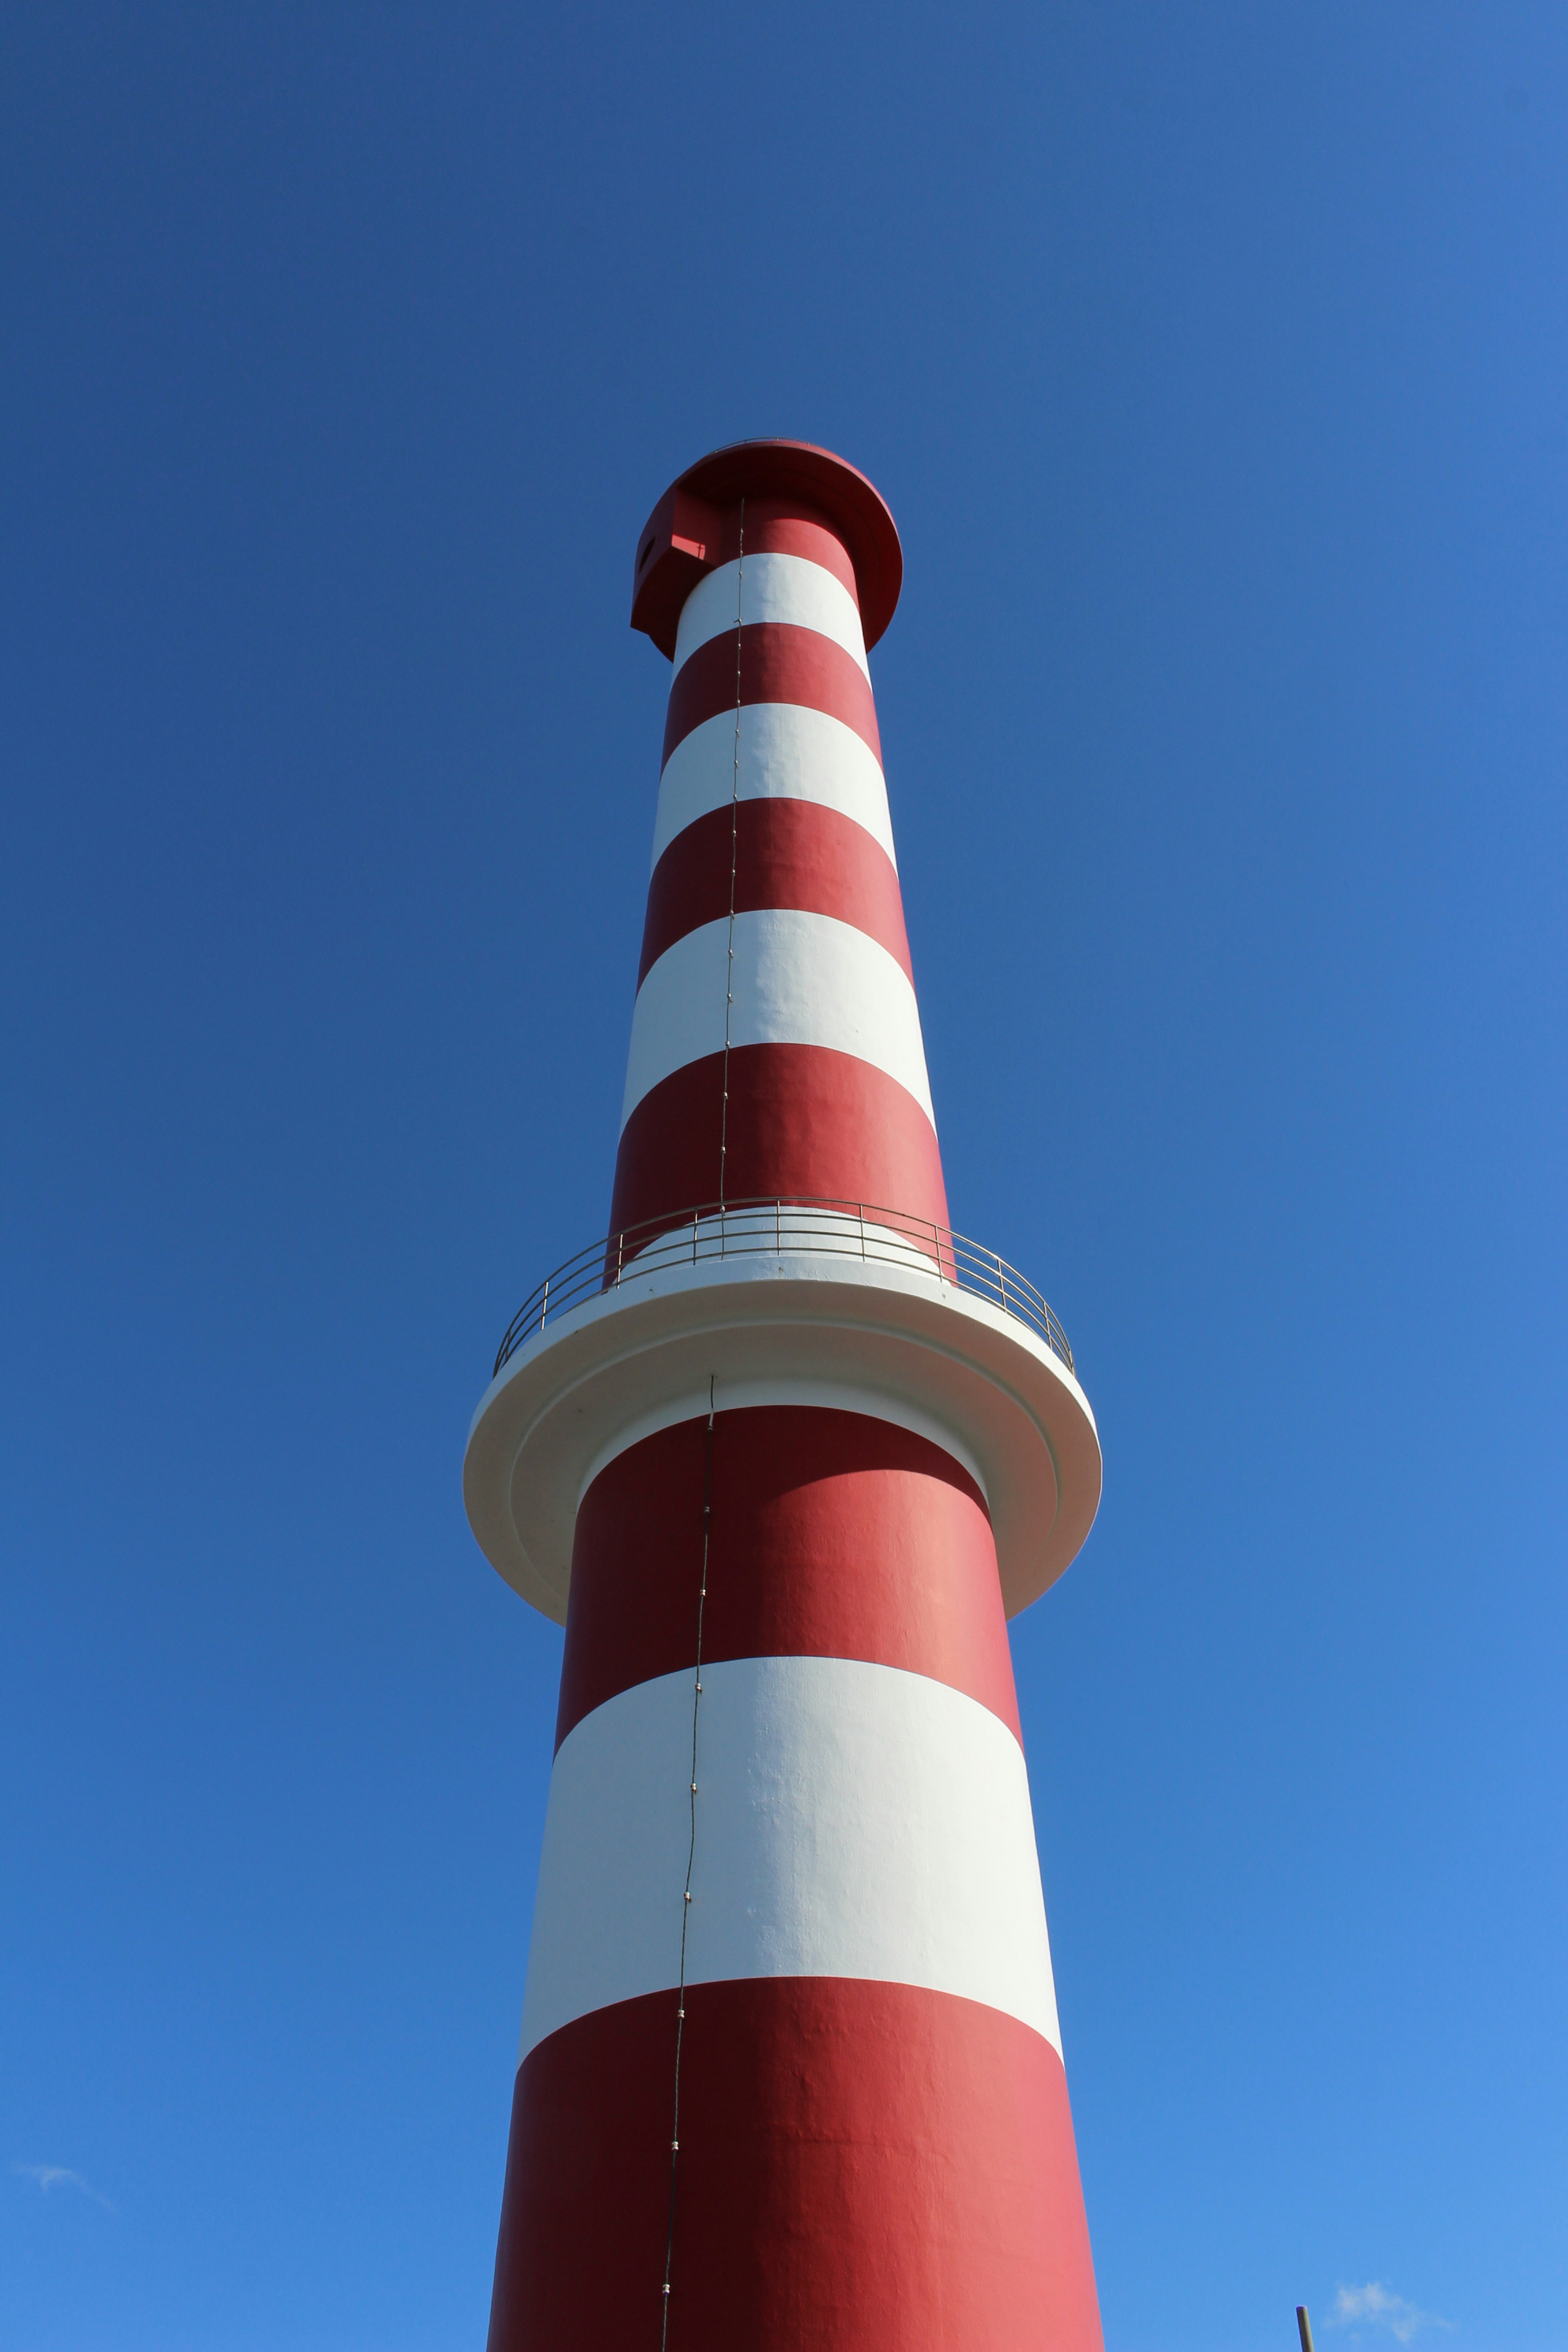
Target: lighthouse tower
x,y
782,1454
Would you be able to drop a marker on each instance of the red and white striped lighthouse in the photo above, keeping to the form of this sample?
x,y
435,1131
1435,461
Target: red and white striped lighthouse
x,y
784,1454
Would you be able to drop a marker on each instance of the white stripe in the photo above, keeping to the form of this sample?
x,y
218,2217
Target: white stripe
x,y
770,588
783,751
852,1820
798,979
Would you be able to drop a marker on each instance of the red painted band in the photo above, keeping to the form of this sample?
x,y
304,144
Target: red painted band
x,y
806,1123
832,1535
862,2166
783,527
782,853
778,663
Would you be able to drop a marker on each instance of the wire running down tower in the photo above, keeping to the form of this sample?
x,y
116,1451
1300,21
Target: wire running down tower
x,y
782,1454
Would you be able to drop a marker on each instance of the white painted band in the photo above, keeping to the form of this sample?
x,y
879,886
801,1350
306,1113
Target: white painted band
x,y
797,979
788,588
782,750
852,1820
742,1395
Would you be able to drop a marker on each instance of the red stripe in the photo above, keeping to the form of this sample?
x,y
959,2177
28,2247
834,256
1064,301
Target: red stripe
x,y
778,663
863,2168
805,1123
783,852
779,527
832,1535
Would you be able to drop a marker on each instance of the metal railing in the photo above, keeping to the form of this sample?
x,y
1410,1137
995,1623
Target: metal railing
x,y
784,1228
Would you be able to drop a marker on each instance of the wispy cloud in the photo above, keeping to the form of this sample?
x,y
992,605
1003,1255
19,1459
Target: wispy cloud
x,y
1355,2306
61,2176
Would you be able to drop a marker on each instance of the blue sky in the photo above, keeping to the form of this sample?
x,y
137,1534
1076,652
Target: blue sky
x,y
1213,362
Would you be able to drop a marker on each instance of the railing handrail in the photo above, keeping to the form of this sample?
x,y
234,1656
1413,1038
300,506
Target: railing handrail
x,y
885,1236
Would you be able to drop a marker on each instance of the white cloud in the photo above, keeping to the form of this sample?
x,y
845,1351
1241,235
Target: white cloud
x,y
61,2176
1357,2305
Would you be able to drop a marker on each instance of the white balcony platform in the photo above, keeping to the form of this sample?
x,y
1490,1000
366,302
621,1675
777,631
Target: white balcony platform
x,y
883,1335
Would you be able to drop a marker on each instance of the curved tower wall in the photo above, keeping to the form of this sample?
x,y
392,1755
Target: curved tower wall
x,y
774,905
791,2068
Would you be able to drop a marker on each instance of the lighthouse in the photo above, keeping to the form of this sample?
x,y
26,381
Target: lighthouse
x,y
784,1453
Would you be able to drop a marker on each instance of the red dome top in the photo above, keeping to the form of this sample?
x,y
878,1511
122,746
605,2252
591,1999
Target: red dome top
x,y
681,539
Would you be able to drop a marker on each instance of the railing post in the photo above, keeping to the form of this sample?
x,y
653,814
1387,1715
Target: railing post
x,y
1001,1282
860,1206
694,1225
544,1303
778,1228
620,1254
